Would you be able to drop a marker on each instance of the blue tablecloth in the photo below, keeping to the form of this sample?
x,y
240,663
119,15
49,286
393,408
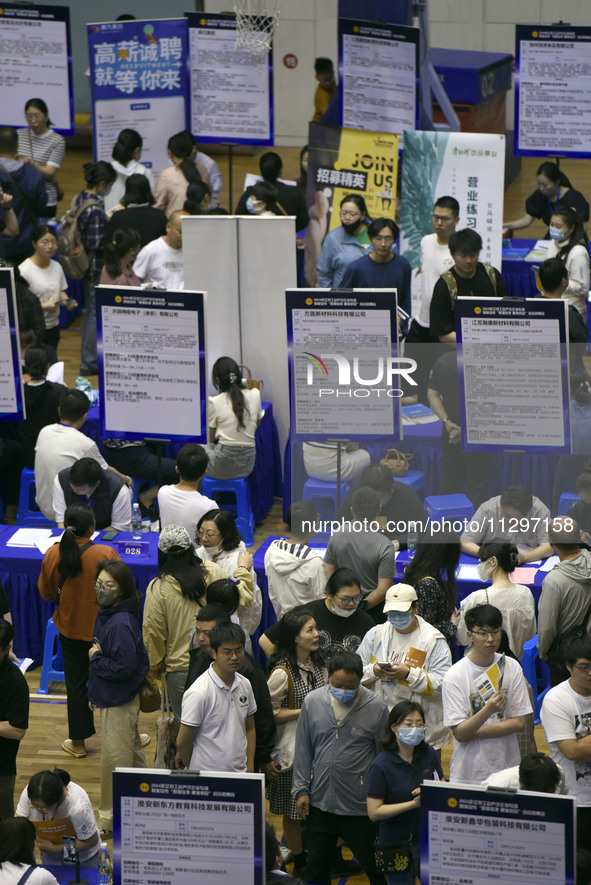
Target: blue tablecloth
x,y
67,873
20,568
517,272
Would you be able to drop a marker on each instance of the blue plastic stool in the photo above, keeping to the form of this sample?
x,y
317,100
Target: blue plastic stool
x,y
53,662
241,509
324,496
28,512
537,673
438,507
414,478
566,501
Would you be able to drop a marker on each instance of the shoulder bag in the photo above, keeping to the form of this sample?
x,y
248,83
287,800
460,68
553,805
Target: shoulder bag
x,y
284,751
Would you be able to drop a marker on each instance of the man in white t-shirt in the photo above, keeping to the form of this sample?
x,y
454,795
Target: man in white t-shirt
x,y
160,263
182,504
485,713
566,718
435,259
217,730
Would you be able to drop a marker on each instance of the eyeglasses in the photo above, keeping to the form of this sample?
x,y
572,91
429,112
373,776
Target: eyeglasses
x,y
444,218
204,534
352,215
496,634
34,117
98,585
583,668
350,600
384,239
229,653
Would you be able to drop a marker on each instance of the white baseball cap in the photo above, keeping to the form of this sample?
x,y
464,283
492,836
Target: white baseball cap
x,y
399,598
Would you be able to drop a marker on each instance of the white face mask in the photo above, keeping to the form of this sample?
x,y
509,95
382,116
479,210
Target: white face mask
x,y
341,612
484,570
213,551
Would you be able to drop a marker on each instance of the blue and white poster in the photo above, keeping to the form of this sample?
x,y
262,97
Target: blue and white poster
x,y
183,827
138,80
513,375
231,90
11,382
151,364
36,62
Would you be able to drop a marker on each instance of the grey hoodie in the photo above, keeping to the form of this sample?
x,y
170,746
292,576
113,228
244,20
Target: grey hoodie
x,y
566,596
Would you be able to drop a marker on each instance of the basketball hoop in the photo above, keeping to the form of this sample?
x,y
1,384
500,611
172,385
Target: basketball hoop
x,y
256,21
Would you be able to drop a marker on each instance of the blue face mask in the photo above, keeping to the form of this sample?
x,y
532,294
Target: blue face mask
x,y
250,206
344,695
411,736
400,619
556,234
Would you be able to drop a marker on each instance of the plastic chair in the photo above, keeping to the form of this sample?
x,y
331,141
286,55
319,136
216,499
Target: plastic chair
x,y
28,512
414,478
537,673
241,509
324,496
566,501
438,507
53,662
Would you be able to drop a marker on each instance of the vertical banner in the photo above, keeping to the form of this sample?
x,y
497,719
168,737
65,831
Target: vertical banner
x,y
231,91
138,80
11,382
378,65
465,165
552,91
183,827
36,62
151,363
513,375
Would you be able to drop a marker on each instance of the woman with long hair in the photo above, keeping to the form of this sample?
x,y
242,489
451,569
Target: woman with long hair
x,y
138,212
127,151
118,666
432,572
345,243
296,668
171,187
119,256
234,415
554,192
17,854
43,149
174,598
569,243
199,198
67,578
46,279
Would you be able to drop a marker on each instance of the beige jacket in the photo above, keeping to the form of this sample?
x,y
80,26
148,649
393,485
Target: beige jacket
x,y
171,188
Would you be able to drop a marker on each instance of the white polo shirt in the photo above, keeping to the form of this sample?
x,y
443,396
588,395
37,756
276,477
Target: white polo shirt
x,y
220,715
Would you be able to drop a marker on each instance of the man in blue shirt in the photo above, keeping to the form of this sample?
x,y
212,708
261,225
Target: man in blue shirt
x,y
382,268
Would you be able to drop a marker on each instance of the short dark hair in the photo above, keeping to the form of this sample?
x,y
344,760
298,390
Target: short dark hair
x,y
41,230
466,241
517,497
213,611
379,224
299,512
398,714
6,633
358,200
37,362
323,65
137,190
448,203
225,592
577,648
85,472
225,633
484,616
8,140
538,772
347,661
564,533
342,577
377,477
73,405
226,526
552,272
265,192
365,502
191,462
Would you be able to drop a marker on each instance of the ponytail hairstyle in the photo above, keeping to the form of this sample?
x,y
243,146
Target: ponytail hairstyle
x,y
182,146
554,174
227,378
97,173
128,141
79,522
48,786
124,239
505,553
578,236
196,193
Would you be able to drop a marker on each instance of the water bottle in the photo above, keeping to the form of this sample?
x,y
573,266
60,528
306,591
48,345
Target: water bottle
x,y
136,521
412,542
104,865
85,386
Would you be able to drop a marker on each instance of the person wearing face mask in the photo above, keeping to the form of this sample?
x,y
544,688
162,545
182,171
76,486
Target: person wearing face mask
x,y
261,200
118,666
406,659
394,784
569,243
345,243
341,720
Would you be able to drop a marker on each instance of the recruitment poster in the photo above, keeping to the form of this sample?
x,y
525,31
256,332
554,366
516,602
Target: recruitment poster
x,y
36,62
151,363
553,90
11,382
138,80
345,377
182,827
467,832
513,375
378,65
231,90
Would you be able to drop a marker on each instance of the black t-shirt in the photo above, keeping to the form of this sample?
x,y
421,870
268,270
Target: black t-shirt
x,y
335,633
441,314
42,409
444,379
403,506
14,707
149,222
540,206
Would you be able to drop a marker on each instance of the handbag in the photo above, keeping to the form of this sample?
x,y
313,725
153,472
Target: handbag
x,y
251,382
284,751
394,858
167,732
150,697
396,462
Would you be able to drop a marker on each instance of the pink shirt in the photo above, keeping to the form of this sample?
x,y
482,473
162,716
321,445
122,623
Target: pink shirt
x,y
125,278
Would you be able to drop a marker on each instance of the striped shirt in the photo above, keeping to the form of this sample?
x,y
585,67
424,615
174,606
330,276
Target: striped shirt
x,y
48,150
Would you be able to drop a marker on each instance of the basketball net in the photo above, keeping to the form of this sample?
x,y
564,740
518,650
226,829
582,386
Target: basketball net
x,y
256,21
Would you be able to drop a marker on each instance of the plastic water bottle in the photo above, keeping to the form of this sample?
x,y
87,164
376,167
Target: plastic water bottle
x,y
85,386
136,521
412,542
104,865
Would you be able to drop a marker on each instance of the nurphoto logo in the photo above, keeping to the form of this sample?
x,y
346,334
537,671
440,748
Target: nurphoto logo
x,y
383,374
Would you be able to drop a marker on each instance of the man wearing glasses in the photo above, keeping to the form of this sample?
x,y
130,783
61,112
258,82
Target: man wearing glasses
x,y
217,730
484,705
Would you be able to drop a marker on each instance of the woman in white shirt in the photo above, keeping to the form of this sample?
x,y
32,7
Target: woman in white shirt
x,y
127,151
47,280
569,243
17,854
234,415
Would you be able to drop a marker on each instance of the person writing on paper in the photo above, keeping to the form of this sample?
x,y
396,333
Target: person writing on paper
x,y
569,243
85,482
53,796
554,192
17,854
484,706
383,268
516,516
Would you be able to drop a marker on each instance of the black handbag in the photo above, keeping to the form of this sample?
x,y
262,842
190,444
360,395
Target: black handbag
x,y
394,858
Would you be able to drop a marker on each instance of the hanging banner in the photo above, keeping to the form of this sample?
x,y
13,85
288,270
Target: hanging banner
x,y
378,66
138,80
466,165
231,90
36,62
552,91
11,381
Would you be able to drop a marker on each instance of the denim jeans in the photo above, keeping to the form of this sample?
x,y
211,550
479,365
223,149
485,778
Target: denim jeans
x,y
230,462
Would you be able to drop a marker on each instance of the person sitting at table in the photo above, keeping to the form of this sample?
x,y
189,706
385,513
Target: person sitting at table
x,y
182,503
516,516
67,578
52,795
41,402
17,854
554,192
569,243
87,483
554,280
14,716
581,510
234,415
320,461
